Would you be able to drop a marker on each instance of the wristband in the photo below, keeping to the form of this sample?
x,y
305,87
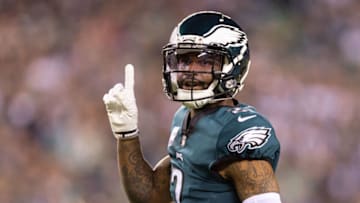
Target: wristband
x,y
269,197
127,134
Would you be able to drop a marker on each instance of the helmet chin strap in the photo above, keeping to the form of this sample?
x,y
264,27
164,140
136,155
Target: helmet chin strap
x,y
196,104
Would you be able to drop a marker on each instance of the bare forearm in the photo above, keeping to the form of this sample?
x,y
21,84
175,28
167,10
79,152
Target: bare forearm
x,y
256,177
141,182
251,177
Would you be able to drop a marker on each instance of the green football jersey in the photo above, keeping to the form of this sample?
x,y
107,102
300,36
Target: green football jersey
x,y
214,138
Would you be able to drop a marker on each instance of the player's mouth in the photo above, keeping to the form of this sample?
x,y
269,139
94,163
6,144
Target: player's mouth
x,y
193,84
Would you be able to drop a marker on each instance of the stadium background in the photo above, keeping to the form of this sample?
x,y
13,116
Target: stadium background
x,y
59,57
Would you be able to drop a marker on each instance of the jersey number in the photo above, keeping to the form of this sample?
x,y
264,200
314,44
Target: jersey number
x,y
177,181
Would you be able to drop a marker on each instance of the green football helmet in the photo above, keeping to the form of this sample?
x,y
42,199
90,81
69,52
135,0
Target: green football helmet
x,y
215,41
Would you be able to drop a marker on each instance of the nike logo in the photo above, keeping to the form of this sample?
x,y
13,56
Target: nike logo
x,y
242,119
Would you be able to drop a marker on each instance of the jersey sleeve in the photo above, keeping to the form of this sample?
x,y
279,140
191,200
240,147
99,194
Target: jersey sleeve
x,y
247,137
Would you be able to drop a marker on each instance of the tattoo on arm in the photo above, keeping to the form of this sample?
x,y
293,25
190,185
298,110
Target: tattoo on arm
x,y
141,182
137,175
252,177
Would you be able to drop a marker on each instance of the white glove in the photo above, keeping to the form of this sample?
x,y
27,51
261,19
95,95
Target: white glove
x,y
121,107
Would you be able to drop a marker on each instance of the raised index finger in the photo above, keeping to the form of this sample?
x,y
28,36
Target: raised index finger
x,y
129,76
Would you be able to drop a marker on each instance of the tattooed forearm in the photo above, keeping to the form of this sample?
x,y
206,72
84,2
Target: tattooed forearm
x,y
137,176
253,177
135,172
141,182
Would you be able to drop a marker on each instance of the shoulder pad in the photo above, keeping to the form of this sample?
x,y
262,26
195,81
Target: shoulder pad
x,y
248,135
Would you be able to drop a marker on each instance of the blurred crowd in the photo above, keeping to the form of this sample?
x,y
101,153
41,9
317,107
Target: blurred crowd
x,y
59,57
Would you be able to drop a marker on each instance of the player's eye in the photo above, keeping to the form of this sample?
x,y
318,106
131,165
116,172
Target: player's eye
x,y
184,59
206,61
209,59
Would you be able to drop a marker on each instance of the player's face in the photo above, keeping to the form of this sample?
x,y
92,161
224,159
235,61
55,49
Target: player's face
x,y
195,70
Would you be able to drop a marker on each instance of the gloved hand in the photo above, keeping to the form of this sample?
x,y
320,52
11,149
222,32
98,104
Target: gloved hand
x,y
121,107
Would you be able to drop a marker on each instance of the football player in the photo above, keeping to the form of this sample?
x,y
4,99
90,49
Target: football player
x,y
219,149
